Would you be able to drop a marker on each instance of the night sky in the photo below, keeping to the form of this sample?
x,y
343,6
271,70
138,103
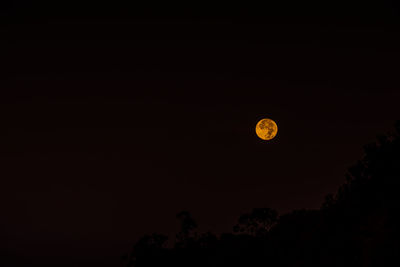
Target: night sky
x,y
115,118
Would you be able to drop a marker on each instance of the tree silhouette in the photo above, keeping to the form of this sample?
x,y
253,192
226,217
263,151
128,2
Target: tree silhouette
x,y
258,222
359,226
148,251
367,206
187,226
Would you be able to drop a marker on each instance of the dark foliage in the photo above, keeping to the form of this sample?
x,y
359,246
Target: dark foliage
x,y
258,222
358,226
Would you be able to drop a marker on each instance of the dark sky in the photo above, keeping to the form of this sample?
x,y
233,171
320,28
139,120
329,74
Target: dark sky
x,y
115,118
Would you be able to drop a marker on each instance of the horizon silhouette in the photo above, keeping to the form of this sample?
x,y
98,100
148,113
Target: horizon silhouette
x,y
359,225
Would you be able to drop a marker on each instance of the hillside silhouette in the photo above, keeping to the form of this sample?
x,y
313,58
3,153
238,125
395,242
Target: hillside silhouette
x,y
356,226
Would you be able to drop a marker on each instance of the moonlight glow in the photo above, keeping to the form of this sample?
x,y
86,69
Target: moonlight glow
x,y
266,129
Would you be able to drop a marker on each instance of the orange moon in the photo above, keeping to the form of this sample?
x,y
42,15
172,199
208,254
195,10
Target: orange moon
x,y
266,129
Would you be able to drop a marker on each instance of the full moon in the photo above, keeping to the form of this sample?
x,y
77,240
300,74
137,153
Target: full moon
x,y
266,129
